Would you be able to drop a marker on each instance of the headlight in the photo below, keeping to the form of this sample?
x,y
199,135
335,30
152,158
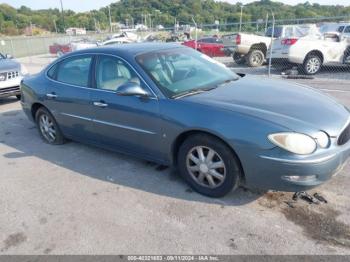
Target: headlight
x,y
322,139
24,70
294,142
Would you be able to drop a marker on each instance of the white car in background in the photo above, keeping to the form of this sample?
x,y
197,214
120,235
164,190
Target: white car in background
x,y
341,29
11,75
251,48
311,52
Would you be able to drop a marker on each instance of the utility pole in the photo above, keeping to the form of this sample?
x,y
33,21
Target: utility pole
x,y
54,23
266,22
272,39
240,19
110,18
64,26
195,24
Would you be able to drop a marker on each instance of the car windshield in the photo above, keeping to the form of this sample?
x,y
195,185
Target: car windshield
x,y
183,71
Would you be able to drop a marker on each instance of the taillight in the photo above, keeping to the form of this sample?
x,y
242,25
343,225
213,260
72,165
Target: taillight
x,y
289,41
238,39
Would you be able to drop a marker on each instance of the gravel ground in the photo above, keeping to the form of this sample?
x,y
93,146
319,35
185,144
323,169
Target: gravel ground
x,y
77,199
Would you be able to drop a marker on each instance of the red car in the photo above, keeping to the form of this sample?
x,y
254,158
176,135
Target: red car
x,y
58,49
211,46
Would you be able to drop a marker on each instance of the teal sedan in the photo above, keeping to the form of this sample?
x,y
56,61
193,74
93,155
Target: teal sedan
x,y
175,106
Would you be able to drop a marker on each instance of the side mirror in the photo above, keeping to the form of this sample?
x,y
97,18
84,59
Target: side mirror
x,y
8,56
132,89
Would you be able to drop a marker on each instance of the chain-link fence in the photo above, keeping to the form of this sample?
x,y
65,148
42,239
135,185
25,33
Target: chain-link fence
x,y
300,48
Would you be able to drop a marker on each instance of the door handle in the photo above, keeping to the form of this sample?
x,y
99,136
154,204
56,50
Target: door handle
x,y
52,95
100,104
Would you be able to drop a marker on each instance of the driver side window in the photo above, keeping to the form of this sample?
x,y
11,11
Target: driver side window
x,y
111,73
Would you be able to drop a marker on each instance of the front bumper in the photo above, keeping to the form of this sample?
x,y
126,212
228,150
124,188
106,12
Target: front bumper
x,y
10,91
271,168
10,87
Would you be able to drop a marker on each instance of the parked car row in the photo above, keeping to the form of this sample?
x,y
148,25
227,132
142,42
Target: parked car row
x,y
308,46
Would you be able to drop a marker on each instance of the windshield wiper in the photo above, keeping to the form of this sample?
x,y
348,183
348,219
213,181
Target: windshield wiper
x,y
193,92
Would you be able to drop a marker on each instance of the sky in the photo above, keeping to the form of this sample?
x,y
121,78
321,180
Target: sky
x,y
86,5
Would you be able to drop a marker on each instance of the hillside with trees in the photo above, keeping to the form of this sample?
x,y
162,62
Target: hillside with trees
x,y
160,12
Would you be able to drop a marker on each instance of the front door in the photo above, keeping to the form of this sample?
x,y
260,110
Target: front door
x,y
126,123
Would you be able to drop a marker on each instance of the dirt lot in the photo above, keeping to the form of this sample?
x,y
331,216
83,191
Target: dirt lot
x,y
76,199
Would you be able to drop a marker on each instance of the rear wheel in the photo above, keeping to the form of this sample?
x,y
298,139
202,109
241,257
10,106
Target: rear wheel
x,y
255,58
208,165
238,58
312,64
48,127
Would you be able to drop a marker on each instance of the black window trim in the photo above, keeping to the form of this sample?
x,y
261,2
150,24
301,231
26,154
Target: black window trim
x,y
95,54
59,62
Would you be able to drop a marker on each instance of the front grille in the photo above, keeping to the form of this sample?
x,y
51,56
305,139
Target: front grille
x,y
9,90
12,74
9,75
344,136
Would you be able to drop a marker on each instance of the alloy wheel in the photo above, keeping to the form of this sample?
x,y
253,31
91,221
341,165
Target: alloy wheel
x,y
313,65
47,128
206,166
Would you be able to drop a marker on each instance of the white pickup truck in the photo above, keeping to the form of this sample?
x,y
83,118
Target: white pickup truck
x,y
252,48
311,52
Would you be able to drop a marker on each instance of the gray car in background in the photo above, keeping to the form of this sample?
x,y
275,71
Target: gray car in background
x,y
11,75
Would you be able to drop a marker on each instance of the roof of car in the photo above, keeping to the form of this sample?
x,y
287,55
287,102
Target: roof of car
x,y
133,48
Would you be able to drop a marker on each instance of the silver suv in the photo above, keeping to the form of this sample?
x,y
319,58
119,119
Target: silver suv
x,y
11,75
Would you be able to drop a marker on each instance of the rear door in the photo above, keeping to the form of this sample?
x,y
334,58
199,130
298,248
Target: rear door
x,y
68,95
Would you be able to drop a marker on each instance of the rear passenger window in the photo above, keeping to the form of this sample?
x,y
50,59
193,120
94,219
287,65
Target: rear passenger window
x,y
347,29
74,71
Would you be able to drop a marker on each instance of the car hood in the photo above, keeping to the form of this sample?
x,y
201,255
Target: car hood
x,y
295,107
8,64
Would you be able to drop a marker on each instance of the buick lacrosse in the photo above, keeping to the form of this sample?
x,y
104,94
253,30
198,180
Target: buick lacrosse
x,y
175,106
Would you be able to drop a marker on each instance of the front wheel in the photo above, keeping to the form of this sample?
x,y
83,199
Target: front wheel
x,y
312,64
208,165
48,127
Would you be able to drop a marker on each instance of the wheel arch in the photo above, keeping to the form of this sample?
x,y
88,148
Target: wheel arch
x,y
184,135
35,108
315,52
259,46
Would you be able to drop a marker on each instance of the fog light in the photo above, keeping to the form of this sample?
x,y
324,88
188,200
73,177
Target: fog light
x,y
300,178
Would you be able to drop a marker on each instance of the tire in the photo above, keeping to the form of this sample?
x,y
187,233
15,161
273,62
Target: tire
x,y
42,117
312,64
255,58
239,59
18,97
224,162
